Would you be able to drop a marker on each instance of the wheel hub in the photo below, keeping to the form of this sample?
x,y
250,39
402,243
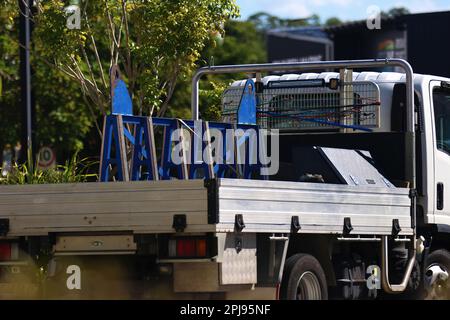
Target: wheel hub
x,y
436,281
308,287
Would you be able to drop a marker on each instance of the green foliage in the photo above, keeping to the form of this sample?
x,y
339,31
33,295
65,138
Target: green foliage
x,y
266,21
154,41
243,43
63,119
211,99
333,21
8,46
74,170
9,74
395,12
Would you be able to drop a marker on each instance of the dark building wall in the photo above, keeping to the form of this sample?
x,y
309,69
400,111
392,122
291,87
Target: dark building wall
x,y
362,44
423,39
297,48
282,48
427,41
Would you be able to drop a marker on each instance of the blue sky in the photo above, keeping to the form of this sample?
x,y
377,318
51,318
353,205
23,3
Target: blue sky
x,y
344,9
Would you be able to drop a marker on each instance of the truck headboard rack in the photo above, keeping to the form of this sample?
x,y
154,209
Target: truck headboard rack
x,y
309,104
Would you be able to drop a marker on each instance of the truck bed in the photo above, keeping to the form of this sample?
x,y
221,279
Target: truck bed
x,y
209,206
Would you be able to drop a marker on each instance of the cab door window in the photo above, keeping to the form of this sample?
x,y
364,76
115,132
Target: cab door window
x,y
441,101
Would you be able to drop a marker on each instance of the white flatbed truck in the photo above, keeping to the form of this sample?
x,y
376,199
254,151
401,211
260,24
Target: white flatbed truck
x,y
377,222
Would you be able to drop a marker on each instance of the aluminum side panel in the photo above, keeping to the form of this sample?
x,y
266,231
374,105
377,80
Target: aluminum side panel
x,y
267,206
141,207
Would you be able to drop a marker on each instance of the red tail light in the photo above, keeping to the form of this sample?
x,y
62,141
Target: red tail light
x,y
5,251
188,247
201,248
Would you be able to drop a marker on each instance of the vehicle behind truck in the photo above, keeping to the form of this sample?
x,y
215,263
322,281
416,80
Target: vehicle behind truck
x,y
356,208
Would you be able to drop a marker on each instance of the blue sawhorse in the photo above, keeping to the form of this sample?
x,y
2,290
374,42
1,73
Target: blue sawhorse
x,y
114,151
144,163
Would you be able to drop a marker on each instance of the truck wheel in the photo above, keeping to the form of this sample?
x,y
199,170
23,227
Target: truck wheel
x,y
303,279
437,275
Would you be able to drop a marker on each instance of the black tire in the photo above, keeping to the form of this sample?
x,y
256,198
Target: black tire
x,y
303,279
440,257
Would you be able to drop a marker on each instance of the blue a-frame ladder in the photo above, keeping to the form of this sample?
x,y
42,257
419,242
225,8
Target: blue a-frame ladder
x,y
114,151
144,163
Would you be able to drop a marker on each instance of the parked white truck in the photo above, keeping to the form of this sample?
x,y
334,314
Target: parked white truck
x,y
349,215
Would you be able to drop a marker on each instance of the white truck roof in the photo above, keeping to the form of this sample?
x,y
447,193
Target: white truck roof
x,y
377,77
384,80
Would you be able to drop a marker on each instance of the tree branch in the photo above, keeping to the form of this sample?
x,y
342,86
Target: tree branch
x,y
94,93
91,111
112,29
119,40
97,56
128,68
172,83
91,72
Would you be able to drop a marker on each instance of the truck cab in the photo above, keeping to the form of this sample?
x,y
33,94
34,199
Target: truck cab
x,y
432,128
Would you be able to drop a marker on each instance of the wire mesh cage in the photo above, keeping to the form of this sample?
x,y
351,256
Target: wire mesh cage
x,y
302,105
231,98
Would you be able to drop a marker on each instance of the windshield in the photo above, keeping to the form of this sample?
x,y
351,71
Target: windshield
x,y
441,101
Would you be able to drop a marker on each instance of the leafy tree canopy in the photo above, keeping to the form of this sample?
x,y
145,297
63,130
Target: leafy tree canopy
x,y
395,12
155,43
265,21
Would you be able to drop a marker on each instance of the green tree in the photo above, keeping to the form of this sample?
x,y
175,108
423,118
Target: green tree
x,y
242,43
398,11
395,12
266,21
63,119
9,77
154,42
333,21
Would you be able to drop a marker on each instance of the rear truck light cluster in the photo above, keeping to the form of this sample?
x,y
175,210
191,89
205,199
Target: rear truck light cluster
x,y
187,248
9,251
193,247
